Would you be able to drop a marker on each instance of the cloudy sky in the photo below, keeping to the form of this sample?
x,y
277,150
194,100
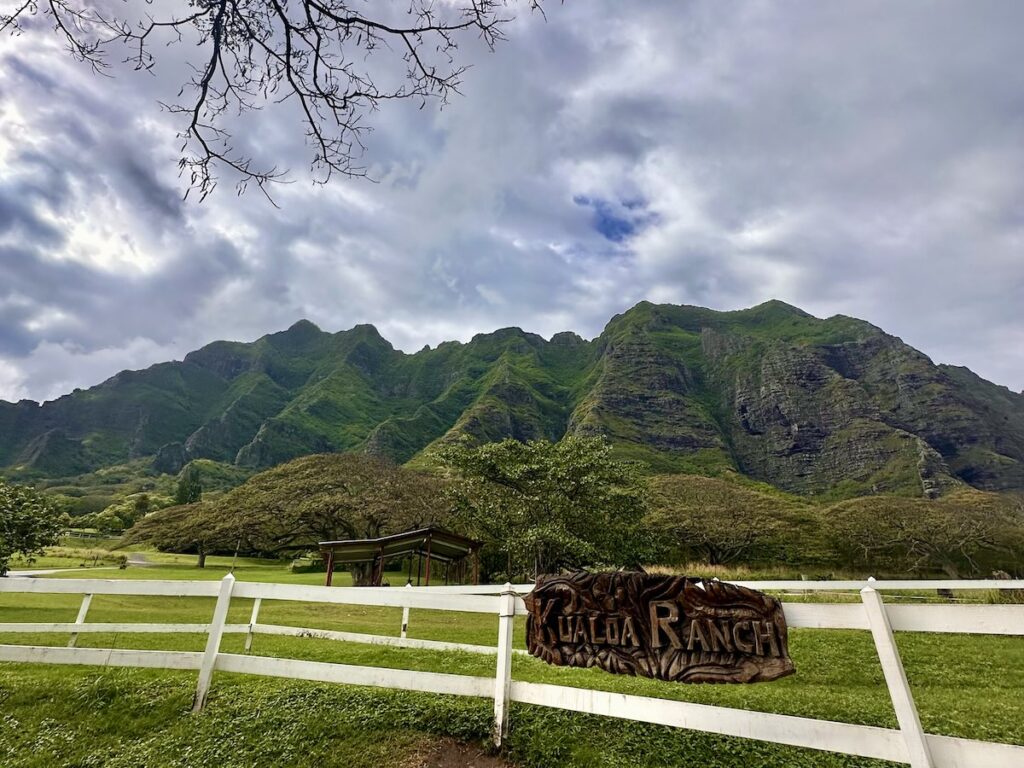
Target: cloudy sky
x,y
863,158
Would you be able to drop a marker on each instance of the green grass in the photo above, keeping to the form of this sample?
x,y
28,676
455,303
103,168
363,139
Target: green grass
x,y
964,685
128,718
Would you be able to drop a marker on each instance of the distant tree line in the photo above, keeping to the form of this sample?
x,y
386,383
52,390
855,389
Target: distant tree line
x,y
715,521
544,507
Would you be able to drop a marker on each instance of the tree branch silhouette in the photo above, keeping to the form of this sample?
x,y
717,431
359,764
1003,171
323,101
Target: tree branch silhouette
x,y
325,55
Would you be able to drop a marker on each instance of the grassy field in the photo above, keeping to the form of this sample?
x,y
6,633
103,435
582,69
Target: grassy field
x,y
56,716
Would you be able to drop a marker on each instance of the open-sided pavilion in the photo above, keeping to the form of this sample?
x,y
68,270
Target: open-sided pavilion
x,y
430,544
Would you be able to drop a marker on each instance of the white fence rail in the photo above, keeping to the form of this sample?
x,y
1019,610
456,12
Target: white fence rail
x,y
908,744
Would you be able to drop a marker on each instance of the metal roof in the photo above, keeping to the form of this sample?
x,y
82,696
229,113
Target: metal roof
x,y
444,546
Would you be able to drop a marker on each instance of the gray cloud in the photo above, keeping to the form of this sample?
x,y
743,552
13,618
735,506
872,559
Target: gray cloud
x,y
858,157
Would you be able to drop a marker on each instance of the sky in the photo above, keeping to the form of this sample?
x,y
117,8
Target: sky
x,y
859,158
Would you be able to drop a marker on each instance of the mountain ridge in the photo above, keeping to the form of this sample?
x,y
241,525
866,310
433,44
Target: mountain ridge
x,y
813,406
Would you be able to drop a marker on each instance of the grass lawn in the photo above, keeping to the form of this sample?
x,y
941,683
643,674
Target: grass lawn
x,y
78,716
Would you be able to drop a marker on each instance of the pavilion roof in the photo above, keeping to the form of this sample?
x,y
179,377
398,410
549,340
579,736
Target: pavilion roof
x,y
444,546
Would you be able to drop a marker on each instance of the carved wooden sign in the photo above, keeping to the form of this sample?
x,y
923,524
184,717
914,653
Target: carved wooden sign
x,y
675,628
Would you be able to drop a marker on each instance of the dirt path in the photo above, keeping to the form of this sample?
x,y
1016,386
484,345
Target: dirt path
x,y
454,754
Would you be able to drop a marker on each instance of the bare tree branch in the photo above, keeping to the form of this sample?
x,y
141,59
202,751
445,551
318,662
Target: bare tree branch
x,y
248,53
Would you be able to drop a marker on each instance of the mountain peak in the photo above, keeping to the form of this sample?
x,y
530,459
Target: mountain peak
x,y
303,326
299,334
366,329
567,339
778,307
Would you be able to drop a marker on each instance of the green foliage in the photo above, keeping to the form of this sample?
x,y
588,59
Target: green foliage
x,y
732,520
189,528
125,513
218,476
130,718
963,534
719,521
29,522
329,497
74,557
190,486
542,507
294,506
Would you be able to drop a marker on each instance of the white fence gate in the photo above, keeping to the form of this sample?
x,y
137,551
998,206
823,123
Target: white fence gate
x,y
909,744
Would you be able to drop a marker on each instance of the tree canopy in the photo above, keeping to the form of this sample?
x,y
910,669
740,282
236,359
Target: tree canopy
x,y
959,534
294,506
188,528
190,486
722,521
29,522
123,514
543,507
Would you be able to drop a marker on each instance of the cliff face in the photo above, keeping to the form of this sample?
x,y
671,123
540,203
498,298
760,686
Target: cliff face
x,y
813,406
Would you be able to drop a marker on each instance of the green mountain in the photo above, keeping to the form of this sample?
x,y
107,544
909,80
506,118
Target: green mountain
x,y
832,407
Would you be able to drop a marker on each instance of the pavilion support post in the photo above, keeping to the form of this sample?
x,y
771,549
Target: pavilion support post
x,y
476,566
428,559
378,568
330,568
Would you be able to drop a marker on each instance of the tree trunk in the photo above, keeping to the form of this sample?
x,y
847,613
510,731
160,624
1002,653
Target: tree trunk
x,y
362,574
202,558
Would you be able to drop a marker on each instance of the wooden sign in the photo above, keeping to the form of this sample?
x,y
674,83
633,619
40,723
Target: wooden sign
x,y
675,628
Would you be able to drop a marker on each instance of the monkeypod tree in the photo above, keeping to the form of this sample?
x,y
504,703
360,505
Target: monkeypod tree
x,y
292,507
964,533
192,528
722,521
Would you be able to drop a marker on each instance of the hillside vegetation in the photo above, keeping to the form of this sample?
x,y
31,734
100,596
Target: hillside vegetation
x,y
544,507
834,407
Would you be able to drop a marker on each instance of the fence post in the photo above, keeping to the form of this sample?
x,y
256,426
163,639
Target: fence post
x,y
503,674
220,614
252,622
896,679
81,619
405,615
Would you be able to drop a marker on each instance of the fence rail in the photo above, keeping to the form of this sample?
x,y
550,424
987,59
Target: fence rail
x,y
908,744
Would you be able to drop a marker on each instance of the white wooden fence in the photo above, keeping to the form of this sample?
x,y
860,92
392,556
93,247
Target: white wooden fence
x,y
909,744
